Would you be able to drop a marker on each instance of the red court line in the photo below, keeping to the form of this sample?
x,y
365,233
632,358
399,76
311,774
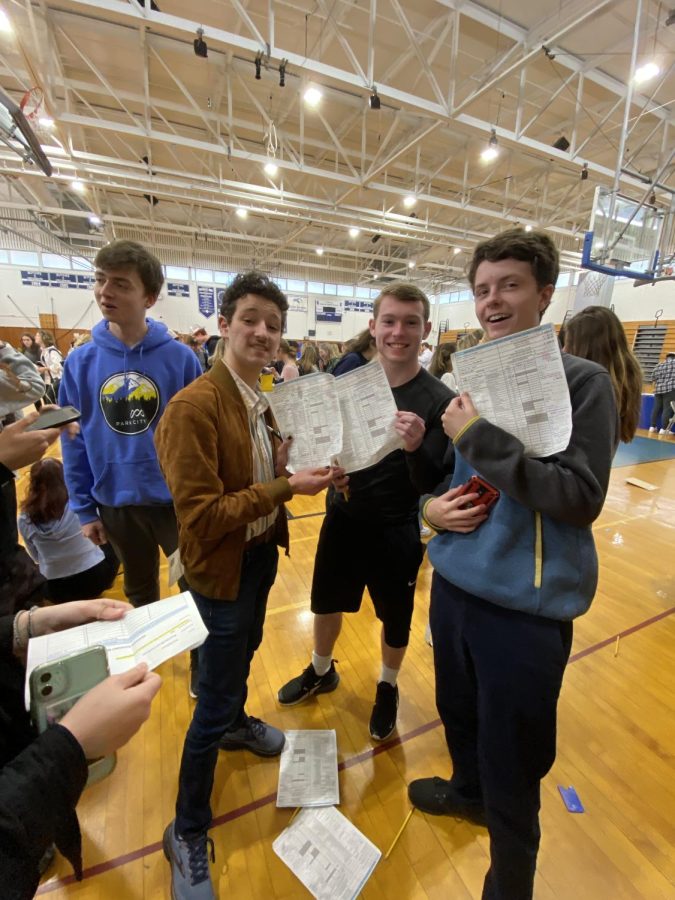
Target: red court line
x,y
240,811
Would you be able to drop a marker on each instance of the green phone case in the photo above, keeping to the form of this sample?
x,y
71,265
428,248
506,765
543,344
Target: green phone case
x,y
57,686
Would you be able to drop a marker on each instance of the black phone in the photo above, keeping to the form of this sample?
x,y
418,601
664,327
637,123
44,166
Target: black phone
x,y
55,418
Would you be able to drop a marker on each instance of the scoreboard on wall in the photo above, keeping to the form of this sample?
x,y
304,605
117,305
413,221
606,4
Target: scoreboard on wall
x,y
328,312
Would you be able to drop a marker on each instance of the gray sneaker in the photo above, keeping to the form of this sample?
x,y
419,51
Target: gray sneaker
x,y
189,860
256,736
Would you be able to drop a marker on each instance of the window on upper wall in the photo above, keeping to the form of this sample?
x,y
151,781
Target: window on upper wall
x,y
203,274
295,285
54,261
4,256
24,258
177,272
280,282
363,293
222,277
345,290
464,296
445,298
563,279
315,287
374,293
330,289
79,262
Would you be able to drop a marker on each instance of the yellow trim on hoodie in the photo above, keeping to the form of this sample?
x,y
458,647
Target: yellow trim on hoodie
x,y
464,429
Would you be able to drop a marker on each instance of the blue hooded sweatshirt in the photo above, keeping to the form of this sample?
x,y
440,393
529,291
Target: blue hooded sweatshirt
x,y
121,392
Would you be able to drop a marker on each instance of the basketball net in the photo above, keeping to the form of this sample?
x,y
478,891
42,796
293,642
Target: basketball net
x,y
31,106
594,289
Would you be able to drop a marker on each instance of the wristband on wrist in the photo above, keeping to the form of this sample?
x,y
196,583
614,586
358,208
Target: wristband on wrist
x,y
30,622
19,634
426,520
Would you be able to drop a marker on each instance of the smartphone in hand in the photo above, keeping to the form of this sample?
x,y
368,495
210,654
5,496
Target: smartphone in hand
x,y
487,495
55,418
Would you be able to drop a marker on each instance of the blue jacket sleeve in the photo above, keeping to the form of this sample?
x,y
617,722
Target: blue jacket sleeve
x,y
79,477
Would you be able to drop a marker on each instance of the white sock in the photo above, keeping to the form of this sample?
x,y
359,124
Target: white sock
x,y
389,675
321,664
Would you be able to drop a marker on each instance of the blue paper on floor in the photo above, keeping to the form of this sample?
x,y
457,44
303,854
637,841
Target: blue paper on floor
x,y
571,799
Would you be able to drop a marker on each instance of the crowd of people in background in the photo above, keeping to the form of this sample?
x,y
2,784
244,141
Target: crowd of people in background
x,y
161,460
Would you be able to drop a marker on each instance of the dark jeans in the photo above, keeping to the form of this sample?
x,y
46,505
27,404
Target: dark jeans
x,y
498,676
136,534
235,632
662,410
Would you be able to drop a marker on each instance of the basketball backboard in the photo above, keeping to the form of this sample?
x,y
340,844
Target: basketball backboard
x,y
17,134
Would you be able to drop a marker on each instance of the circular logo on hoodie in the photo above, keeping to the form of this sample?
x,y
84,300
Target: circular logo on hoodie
x,y
129,402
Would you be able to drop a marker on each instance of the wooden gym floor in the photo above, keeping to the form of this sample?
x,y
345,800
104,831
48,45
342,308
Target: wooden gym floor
x,y
615,743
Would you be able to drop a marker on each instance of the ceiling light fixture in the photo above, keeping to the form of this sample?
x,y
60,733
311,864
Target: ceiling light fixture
x,y
5,24
258,65
354,232
319,251
282,72
374,100
312,97
200,44
646,72
528,228
492,150
96,221
411,264
45,122
271,169
409,201
77,185
242,212
457,250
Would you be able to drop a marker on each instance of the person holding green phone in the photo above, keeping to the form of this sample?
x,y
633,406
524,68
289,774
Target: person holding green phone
x,y
42,777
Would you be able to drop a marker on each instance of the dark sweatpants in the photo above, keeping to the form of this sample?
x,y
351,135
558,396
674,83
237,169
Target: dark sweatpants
x,y
136,534
498,676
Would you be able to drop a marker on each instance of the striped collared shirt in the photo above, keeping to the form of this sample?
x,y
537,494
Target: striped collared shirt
x,y
261,448
663,377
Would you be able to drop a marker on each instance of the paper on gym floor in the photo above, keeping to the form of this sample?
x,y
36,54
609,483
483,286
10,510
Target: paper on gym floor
x,y
308,770
518,383
327,853
350,418
645,485
150,634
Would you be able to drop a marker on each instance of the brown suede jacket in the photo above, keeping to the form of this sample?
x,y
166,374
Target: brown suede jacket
x,y
203,444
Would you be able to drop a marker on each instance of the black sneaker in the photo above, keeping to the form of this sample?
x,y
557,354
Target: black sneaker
x,y
438,797
194,674
383,716
298,689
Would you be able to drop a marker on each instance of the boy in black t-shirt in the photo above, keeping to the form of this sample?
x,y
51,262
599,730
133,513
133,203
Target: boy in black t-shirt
x,y
370,536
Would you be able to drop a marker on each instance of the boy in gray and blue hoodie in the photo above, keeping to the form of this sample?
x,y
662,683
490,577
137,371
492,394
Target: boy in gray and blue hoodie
x,y
121,382
508,584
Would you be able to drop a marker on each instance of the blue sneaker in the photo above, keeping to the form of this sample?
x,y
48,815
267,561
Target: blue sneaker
x,y
189,860
256,736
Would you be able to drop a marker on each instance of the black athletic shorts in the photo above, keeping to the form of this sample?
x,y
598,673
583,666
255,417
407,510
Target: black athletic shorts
x,y
353,555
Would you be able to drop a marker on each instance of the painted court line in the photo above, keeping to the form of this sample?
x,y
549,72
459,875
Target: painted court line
x,y
233,814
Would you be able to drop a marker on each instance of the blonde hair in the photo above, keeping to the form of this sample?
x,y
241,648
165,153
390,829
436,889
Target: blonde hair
x,y
470,339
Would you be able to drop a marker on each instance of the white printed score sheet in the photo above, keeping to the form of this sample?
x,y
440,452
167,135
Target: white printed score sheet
x,y
150,634
327,853
348,419
518,383
308,769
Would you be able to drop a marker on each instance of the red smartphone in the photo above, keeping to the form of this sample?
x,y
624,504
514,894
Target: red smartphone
x,y
487,495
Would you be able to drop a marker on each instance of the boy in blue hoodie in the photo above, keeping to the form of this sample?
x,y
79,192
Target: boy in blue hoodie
x,y
508,583
121,382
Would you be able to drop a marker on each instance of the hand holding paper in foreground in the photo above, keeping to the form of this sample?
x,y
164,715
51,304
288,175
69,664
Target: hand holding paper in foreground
x,y
310,481
49,619
458,414
107,716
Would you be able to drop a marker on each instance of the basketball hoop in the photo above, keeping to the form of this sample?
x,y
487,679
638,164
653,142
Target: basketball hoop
x,y
31,104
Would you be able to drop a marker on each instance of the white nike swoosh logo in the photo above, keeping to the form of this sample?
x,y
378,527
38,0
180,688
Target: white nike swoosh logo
x,y
411,583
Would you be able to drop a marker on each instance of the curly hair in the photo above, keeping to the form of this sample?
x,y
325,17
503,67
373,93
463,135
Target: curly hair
x,y
533,247
125,255
252,283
